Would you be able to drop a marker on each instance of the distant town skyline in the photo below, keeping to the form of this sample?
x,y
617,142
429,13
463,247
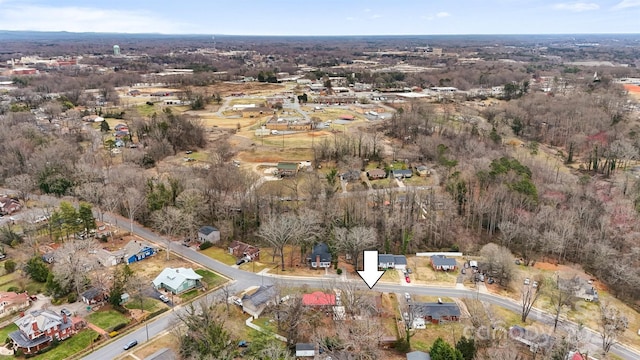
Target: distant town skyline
x,y
328,17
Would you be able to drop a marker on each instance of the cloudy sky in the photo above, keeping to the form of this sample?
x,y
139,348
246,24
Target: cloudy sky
x,y
323,17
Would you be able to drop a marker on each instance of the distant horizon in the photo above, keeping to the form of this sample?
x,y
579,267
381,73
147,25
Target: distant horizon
x,y
315,35
328,18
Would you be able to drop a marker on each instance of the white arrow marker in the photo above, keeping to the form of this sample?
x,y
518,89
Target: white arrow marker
x,y
370,274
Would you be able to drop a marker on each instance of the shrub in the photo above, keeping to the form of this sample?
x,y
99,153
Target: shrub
x,y
104,238
13,289
339,271
10,266
119,326
156,313
205,245
72,297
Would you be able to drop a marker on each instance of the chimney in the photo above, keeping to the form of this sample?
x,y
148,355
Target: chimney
x,y
64,318
34,326
317,260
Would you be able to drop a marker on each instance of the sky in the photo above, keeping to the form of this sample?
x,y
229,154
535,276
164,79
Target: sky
x,y
323,17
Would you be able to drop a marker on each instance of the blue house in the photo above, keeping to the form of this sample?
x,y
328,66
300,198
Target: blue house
x,y
137,250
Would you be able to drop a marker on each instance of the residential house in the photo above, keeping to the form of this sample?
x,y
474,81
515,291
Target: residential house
x,y
255,303
121,127
11,302
208,233
320,256
93,296
402,174
418,355
351,175
48,257
163,354
37,329
579,287
107,258
389,261
9,205
256,111
375,174
137,250
335,99
287,169
443,263
437,312
319,299
423,170
305,350
242,250
177,280
576,355
534,340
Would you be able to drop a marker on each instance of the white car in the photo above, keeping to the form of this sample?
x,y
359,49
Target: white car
x,y
407,296
527,281
163,298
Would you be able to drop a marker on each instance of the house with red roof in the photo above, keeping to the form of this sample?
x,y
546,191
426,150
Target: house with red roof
x,y
319,299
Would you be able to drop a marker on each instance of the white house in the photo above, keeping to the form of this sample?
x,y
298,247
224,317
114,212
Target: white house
x,y
208,233
305,350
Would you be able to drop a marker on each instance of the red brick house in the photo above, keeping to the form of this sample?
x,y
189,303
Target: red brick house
x,y
240,249
37,329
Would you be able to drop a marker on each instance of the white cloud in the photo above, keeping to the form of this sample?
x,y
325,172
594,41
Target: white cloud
x,y
86,19
576,7
443,14
367,10
625,4
376,16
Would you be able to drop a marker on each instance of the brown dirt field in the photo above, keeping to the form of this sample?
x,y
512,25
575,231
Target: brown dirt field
x,y
632,88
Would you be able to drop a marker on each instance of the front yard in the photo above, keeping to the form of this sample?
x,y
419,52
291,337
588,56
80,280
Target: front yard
x,y
211,278
107,319
71,346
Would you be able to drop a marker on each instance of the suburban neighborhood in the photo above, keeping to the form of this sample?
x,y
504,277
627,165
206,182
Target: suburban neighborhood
x,y
311,198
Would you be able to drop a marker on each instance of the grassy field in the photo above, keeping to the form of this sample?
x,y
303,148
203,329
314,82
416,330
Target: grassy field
x,y
22,283
107,319
212,279
148,304
4,332
219,254
77,343
449,332
423,273
189,295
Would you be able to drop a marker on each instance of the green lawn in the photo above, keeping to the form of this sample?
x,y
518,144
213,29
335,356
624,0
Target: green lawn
x,y
220,255
4,332
189,295
148,304
147,110
212,279
22,283
67,348
107,319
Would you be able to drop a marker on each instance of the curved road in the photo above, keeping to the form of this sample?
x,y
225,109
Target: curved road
x,y
243,279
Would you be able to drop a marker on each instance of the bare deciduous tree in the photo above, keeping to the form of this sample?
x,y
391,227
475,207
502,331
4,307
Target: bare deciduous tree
x,y
73,263
612,324
354,241
530,294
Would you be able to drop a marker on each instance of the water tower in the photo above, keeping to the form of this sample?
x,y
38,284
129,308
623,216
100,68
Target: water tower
x,y
116,50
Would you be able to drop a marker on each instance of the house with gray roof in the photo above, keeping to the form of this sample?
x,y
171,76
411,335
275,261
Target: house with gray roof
x,y
443,263
436,312
255,303
418,355
390,261
177,280
320,256
208,233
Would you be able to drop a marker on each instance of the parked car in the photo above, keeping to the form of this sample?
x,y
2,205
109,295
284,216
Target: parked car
x,y
241,261
65,312
409,271
527,281
163,298
535,284
490,281
407,279
407,296
130,344
3,256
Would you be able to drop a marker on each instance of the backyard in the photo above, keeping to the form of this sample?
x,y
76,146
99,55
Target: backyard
x,y
107,319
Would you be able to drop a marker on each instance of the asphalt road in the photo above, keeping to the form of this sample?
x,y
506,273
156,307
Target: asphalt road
x,y
243,279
